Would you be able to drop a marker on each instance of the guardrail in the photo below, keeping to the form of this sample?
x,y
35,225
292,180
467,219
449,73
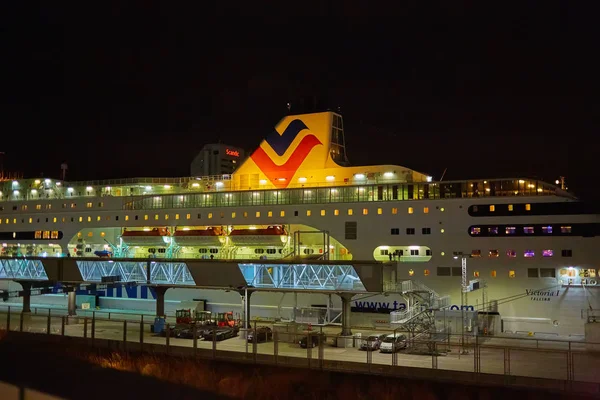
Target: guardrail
x,y
555,364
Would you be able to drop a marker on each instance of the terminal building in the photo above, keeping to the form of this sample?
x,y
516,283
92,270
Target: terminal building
x,y
217,159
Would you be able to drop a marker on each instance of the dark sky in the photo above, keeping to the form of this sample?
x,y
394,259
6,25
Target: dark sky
x,y
137,89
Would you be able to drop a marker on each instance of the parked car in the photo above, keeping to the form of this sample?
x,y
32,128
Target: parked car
x,y
373,342
220,333
392,343
263,334
312,339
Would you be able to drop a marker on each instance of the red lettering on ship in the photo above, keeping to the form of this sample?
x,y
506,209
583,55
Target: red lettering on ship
x,y
233,153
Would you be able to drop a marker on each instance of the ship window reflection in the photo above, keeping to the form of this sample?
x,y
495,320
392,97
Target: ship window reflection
x,y
565,229
529,253
547,253
547,229
511,274
511,253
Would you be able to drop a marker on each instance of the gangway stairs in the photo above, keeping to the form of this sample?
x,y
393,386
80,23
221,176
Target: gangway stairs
x,y
418,318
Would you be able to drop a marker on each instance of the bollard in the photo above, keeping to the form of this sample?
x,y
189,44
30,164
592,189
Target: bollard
x,y
8,320
21,322
62,326
85,327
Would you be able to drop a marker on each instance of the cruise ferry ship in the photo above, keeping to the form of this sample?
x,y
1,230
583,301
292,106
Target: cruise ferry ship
x,y
531,244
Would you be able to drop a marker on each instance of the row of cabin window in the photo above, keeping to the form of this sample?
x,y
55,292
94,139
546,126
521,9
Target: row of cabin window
x,y
48,206
210,215
215,251
457,272
510,208
400,253
528,230
411,231
350,211
526,253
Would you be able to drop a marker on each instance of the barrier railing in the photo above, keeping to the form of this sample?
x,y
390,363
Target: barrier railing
x,y
551,364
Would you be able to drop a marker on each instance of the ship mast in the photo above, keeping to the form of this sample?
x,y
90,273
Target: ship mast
x,y
561,181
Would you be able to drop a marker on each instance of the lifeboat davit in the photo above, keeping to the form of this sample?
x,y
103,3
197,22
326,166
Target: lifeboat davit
x,y
198,237
153,237
275,235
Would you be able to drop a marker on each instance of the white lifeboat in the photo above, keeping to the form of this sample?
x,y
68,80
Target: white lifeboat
x,y
198,237
152,237
275,235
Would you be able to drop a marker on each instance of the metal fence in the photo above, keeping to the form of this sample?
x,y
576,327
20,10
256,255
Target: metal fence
x,y
522,361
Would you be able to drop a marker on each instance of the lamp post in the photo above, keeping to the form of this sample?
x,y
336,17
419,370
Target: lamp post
x,y
464,290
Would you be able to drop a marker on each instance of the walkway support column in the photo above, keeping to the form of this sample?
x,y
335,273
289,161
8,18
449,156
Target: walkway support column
x,y
245,307
72,302
160,301
346,311
26,293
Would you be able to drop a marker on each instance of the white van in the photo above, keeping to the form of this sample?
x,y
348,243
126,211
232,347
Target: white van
x,y
392,343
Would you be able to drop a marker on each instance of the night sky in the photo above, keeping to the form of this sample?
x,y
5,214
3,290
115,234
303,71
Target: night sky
x,y
137,90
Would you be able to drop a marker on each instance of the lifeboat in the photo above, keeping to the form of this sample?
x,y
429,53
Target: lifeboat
x,y
198,237
275,235
153,237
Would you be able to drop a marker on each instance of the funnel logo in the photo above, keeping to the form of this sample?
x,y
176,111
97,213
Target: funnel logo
x,y
280,175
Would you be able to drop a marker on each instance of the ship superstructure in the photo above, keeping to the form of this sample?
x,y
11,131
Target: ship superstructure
x,y
292,199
